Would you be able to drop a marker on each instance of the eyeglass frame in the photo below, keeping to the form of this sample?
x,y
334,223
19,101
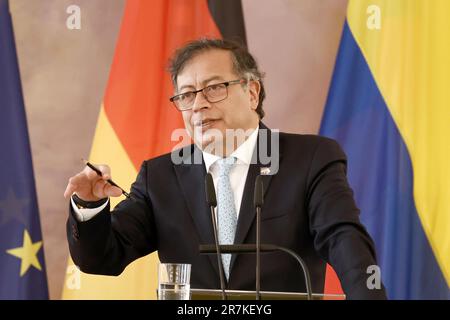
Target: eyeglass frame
x,y
226,83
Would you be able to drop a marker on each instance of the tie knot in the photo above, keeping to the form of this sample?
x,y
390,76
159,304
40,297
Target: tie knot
x,y
225,165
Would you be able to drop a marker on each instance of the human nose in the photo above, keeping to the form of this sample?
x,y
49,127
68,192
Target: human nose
x,y
200,102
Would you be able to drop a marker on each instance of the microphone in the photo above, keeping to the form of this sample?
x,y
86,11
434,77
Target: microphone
x,y
212,203
258,201
251,248
210,191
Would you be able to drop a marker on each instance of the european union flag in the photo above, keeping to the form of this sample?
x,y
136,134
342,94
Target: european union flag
x,y
22,265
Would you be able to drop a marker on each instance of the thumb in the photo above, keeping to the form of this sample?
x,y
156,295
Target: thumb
x,y
112,191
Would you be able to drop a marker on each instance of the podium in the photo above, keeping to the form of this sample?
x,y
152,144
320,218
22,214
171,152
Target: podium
x,y
214,294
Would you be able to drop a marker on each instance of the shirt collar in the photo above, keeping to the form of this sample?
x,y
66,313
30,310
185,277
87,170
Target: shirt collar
x,y
243,153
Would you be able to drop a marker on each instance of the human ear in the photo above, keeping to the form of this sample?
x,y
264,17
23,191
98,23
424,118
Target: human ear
x,y
254,87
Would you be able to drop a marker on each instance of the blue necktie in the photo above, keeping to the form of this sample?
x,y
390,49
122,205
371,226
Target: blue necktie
x,y
226,211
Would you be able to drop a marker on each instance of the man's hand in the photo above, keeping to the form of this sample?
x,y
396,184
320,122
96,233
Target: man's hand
x,y
89,186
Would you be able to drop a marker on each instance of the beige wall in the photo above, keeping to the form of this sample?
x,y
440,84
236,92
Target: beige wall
x,y
295,43
64,74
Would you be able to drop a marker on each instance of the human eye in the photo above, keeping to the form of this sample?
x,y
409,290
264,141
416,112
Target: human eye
x,y
185,96
214,88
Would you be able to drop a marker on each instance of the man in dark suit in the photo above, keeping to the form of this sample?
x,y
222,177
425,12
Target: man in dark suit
x,y
308,204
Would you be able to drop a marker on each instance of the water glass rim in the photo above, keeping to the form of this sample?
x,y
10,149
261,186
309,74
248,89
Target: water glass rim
x,y
174,273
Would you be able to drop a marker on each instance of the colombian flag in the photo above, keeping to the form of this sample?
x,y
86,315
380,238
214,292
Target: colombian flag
x,y
136,119
389,107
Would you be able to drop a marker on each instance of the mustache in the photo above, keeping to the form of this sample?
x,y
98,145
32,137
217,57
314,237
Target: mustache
x,y
202,122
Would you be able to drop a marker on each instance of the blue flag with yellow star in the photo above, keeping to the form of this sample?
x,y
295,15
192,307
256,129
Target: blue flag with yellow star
x,y
22,266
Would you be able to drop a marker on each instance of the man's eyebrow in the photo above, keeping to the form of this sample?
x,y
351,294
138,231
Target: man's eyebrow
x,y
204,82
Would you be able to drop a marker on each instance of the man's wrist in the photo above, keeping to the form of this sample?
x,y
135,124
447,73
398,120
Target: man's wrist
x,y
82,204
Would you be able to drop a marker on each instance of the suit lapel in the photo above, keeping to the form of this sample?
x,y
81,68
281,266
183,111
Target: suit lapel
x,y
247,212
191,178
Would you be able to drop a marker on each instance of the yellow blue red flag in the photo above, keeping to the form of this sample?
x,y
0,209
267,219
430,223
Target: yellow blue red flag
x,y
389,107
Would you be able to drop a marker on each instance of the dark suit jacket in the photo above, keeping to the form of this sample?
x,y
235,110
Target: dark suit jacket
x,y
308,208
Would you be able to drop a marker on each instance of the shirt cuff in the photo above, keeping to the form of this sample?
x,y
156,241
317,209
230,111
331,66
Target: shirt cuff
x,y
83,215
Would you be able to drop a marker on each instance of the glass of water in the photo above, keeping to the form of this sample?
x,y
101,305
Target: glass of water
x,y
174,281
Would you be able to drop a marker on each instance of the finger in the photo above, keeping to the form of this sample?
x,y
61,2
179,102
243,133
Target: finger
x,y
98,189
70,189
105,169
112,191
79,179
73,184
91,174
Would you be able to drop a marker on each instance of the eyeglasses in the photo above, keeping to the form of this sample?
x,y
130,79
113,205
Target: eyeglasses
x,y
212,93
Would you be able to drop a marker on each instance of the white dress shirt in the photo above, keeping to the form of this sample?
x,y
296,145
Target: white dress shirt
x,y
86,214
238,175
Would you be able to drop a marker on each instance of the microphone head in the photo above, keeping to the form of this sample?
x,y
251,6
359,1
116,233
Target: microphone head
x,y
210,191
258,199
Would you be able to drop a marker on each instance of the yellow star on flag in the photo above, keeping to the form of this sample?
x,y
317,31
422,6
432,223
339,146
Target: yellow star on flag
x,y
28,253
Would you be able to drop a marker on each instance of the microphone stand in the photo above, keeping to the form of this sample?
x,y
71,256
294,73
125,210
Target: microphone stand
x,y
258,253
219,254
212,202
258,202
251,248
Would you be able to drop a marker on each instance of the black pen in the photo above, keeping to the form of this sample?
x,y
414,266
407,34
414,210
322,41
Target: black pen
x,y
90,165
